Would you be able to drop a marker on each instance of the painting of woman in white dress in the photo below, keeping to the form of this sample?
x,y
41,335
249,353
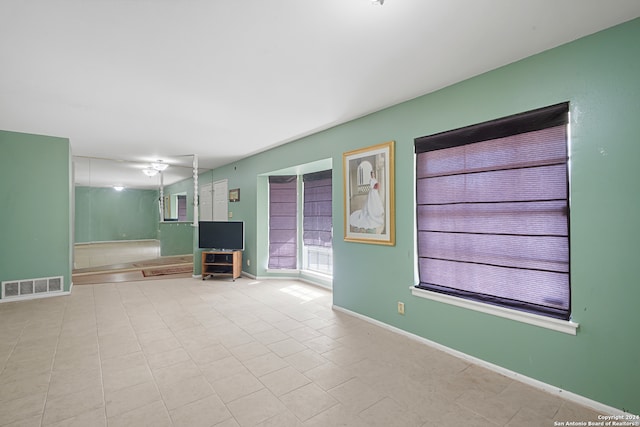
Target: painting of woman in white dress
x,y
371,216
369,194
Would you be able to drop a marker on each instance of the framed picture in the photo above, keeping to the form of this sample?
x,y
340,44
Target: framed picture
x,y
369,203
234,195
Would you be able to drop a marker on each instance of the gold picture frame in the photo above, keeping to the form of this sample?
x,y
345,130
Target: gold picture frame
x,y
234,195
369,194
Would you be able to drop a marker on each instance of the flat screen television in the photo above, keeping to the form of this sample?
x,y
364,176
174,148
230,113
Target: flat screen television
x,y
221,235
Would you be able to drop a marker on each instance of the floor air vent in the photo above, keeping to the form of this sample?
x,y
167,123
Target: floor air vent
x,y
31,287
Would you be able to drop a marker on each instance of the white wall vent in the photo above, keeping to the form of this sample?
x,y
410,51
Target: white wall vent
x,y
21,289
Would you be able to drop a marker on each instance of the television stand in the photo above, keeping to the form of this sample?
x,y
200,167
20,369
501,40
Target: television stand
x,y
221,264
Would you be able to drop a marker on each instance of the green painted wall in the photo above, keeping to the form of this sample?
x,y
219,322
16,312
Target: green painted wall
x,y
176,238
103,214
599,76
35,213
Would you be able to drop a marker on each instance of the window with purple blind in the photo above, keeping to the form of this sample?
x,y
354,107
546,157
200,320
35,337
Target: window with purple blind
x,y
283,206
317,223
493,212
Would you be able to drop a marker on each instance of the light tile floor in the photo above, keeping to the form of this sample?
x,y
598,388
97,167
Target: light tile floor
x,y
184,352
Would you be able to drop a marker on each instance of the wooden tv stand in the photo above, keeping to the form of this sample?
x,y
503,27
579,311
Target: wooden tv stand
x,y
221,264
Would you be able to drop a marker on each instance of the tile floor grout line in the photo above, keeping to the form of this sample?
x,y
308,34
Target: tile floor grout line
x,y
242,362
186,351
211,385
13,348
53,360
95,314
284,313
164,405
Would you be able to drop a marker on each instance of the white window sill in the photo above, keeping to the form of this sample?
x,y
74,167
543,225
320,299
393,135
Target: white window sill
x,y
565,326
283,271
317,274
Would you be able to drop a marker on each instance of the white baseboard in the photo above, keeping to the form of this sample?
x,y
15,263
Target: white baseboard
x,y
573,397
308,279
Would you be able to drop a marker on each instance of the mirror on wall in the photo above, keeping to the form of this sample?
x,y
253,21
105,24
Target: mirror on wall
x,y
175,207
118,208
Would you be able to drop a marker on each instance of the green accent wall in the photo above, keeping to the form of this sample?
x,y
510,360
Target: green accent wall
x,y
104,214
176,238
598,75
35,213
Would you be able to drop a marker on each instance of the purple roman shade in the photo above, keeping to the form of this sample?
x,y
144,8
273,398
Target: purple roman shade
x,y
317,224
493,212
283,204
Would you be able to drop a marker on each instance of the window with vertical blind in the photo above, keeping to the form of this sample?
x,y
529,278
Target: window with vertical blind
x,y
493,212
283,223
317,222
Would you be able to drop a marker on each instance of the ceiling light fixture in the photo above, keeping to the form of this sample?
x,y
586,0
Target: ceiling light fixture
x,y
377,2
159,166
118,187
150,172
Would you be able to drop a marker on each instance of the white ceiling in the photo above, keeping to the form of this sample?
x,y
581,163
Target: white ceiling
x,y
141,80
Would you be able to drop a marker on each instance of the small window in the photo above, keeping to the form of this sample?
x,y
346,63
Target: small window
x,y
317,222
283,222
493,212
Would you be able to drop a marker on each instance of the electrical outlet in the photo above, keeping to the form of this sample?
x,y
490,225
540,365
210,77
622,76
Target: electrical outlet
x,y
400,307
230,214
248,262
